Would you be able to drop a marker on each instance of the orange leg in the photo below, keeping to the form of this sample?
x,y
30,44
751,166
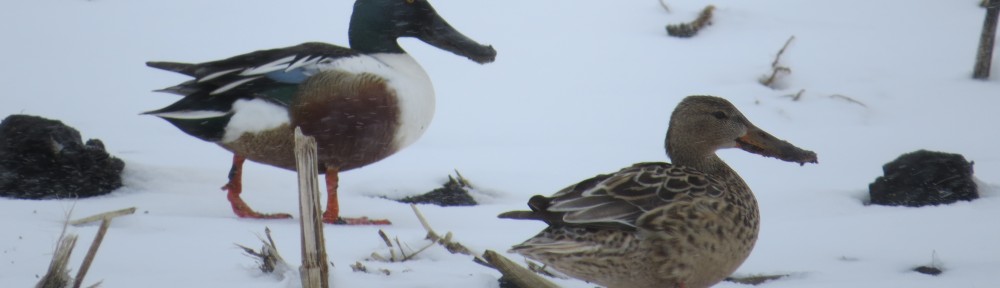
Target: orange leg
x,y
235,187
332,214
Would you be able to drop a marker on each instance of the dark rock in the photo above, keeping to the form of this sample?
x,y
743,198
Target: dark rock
x,y
454,193
924,178
45,159
929,270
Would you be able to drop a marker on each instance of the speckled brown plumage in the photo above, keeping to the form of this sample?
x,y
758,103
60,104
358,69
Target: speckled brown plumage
x,y
688,224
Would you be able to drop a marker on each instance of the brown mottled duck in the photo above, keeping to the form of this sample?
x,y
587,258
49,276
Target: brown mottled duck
x,y
687,224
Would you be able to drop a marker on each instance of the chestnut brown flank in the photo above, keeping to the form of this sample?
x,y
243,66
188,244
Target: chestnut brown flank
x,y
354,118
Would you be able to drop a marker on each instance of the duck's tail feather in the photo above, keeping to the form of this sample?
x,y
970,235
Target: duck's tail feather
x,y
183,68
520,215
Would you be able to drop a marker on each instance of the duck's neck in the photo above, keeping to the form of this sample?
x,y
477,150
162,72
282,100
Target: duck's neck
x,y
369,40
370,32
708,163
699,157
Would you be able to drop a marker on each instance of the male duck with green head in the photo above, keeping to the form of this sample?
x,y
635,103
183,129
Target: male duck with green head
x,y
361,104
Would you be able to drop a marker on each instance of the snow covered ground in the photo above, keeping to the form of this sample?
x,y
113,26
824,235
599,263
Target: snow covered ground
x,y
578,88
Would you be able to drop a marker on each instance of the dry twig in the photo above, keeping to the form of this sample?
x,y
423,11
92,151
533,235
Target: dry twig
x,y
392,253
452,246
268,257
782,51
402,256
776,69
848,99
797,96
663,3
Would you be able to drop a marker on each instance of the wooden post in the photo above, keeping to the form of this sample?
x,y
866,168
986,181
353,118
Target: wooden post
x,y
314,271
986,40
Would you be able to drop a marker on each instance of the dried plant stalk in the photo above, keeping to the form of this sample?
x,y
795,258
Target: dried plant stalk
x,y
58,275
777,69
452,246
687,30
848,99
268,257
314,271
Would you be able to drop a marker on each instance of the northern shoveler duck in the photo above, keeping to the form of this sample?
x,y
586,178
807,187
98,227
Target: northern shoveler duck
x,y
687,224
361,104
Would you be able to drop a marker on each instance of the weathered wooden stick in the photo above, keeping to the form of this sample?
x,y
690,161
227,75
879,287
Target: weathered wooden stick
x,y
105,219
87,260
521,276
986,40
102,216
314,271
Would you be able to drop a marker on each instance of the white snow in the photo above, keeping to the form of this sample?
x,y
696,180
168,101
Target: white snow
x,y
578,88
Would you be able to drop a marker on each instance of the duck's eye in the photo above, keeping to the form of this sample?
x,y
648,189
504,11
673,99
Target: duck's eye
x,y
720,115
